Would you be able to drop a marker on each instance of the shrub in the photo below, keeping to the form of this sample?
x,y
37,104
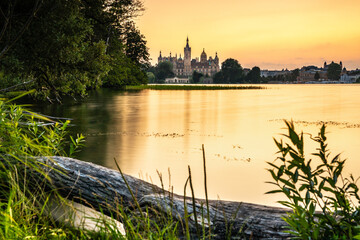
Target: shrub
x,y
312,185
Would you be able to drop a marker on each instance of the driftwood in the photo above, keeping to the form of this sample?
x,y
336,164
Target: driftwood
x,y
103,189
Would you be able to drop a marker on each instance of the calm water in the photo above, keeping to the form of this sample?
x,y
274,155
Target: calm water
x,y
153,130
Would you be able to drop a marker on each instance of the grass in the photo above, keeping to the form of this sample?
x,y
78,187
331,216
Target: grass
x,y
192,87
24,199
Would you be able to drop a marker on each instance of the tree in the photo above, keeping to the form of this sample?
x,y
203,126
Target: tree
x,y
124,71
254,75
57,51
151,77
334,71
136,48
317,76
71,46
11,19
294,74
218,77
231,72
164,70
196,76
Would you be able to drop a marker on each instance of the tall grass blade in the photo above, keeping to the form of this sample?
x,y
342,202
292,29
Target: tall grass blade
x,y
206,192
193,203
186,212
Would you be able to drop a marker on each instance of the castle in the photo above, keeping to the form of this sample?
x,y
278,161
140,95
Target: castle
x,y
185,67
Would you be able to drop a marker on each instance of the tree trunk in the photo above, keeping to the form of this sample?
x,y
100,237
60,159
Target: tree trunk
x,y
103,189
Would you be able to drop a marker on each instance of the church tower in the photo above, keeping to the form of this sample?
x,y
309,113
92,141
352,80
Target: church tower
x,y
187,58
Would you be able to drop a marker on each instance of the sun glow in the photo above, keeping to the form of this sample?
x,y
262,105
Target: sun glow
x,y
270,34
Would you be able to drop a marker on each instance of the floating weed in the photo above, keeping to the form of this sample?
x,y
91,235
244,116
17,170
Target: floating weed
x,y
321,123
193,87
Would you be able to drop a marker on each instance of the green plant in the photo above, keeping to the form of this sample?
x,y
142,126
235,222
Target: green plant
x,y
324,204
24,136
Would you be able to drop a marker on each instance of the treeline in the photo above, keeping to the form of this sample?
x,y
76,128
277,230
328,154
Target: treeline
x,y
67,47
231,73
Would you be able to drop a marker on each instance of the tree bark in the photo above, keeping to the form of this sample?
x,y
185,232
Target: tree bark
x,y
103,189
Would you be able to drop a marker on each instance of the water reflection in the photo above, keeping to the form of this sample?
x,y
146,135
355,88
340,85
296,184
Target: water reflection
x,y
156,130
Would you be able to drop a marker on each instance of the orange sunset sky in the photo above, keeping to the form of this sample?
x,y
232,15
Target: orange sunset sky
x,y
271,34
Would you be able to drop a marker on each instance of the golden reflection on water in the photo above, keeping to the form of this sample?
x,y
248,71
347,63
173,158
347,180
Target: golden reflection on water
x,y
156,130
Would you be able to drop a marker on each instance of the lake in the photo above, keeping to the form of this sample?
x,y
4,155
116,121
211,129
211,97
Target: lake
x,y
149,131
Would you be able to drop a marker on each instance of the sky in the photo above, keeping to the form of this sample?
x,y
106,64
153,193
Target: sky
x,y
271,34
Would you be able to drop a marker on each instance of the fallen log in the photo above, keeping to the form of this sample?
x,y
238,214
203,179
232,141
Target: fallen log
x,y
104,189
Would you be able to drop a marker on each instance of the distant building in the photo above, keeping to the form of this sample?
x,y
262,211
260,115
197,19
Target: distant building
x,y
327,65
273,73
307,73
349,78
185,67
176,80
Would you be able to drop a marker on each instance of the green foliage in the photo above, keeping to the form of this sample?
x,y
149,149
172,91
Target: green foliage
x,y
253,76
312,185
28,134
231,72
334,71
25,135
164,70
136,48
151,77
123,71
196,77
218,77
71,46
295,73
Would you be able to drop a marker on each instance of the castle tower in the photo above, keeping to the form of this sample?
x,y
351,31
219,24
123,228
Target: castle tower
x,y
187,58
216,59
203,56
160,58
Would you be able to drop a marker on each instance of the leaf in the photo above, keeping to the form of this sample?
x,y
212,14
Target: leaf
x,y
303,186
312,208
336,158
307,198
273,174
281,171
274,191
328,189
296,176
287,183
273,165
21,95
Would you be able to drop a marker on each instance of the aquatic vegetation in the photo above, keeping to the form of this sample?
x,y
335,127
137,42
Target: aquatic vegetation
x,y
193,87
